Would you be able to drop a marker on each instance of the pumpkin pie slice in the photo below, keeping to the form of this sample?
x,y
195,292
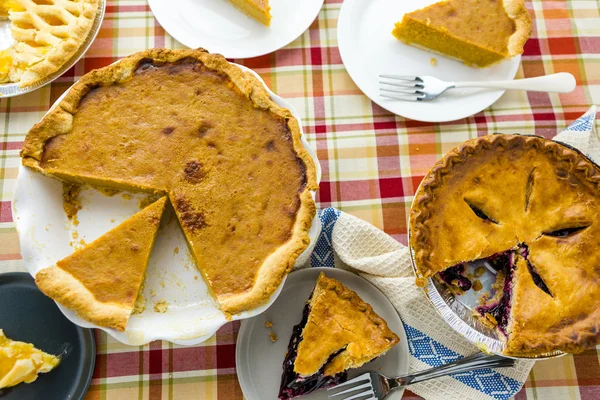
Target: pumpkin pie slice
x,y
205,133
101,281
257,9
477,32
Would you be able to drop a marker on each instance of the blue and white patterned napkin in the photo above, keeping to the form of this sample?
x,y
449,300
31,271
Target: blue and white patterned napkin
x,y
350,243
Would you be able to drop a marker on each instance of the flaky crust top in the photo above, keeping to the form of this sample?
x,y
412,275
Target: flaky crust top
x,y
429,253
340,320
535,193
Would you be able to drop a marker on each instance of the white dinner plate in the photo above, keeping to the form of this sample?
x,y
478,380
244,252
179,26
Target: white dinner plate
x,y
219,27
259,361
368,49
46,236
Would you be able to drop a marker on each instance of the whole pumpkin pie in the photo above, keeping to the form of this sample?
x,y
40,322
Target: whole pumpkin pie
x,y
476,32
101,281
189,124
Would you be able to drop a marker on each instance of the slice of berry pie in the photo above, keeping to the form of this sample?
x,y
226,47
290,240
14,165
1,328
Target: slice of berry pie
x,y
529,208
338,331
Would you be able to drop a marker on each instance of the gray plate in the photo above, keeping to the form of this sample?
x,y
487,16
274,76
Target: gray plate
x,y
6,40
28,316
259,361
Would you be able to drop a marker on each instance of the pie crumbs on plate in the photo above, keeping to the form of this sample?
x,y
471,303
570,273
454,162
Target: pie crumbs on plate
x,y
46,35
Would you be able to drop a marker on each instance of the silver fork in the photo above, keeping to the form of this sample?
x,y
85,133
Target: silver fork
x,y
425,88
372,385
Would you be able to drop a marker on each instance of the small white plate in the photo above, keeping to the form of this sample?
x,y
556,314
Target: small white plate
x,y
368,49
219,27
259,361
46,236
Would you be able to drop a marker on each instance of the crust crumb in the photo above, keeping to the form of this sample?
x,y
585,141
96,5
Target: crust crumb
x,y
273,337
71,203
140,304
268,324
161,306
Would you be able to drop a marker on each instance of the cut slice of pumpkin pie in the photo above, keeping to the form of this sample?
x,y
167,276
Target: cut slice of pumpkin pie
x,y
101,281
477,32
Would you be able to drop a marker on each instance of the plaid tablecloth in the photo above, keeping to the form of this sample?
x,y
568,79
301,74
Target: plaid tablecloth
x,y
372,163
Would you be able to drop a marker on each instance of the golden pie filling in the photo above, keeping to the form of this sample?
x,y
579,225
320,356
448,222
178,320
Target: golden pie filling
x,y
257,9
191,125
528,208
477,32
22,362
102,281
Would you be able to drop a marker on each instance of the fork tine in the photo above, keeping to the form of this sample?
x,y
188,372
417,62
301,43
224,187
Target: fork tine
x,y
415,91
402,84
401,97
402,77
364,377
352,389
364,395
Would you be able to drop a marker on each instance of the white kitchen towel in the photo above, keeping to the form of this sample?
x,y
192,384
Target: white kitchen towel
x,y
351,243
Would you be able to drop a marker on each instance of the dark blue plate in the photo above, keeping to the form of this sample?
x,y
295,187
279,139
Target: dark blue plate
x,y
27,315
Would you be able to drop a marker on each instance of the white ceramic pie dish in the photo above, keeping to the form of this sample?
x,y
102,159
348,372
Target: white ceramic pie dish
x,y
457,310
46,236
6,40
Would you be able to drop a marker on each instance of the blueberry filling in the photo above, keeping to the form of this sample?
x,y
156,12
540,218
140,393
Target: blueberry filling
x,y
455,276
500,310
292,384
500,261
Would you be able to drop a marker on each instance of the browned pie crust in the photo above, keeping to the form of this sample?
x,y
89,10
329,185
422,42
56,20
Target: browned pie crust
x,y
528,187
101,281
340,319
167,154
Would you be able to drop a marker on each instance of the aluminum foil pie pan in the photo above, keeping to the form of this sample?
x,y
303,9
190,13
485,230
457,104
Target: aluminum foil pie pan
x,y
6,40
192,315
457,310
